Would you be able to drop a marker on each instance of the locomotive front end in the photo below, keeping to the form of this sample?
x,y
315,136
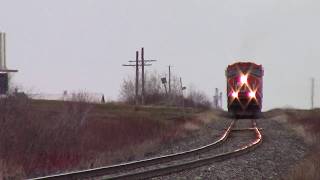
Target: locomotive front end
x,y
244,89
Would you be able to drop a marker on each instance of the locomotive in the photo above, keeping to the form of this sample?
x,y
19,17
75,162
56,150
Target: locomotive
x,y
244,89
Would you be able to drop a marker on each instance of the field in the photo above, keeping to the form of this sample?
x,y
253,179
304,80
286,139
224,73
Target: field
x,y
306,123
309,121
40,137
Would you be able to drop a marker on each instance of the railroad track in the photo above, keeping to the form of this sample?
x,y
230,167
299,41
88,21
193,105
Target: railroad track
x,y
137,167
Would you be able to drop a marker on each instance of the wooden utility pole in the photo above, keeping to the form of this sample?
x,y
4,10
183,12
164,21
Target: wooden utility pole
x,y
169,80
312,93
137,77
141,63
142,74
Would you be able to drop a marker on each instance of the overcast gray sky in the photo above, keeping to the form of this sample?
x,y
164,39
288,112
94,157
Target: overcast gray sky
x,y
80,44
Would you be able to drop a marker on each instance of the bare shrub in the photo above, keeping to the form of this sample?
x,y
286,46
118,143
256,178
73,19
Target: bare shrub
x,y
77,108
11,171
153,90
41,137
38,138
127,91
14,129
155,93
197,99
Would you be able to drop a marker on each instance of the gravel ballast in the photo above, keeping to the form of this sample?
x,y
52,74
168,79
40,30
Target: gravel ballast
x,y
280,150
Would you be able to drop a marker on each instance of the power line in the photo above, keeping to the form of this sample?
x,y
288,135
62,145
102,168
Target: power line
x,y
141,63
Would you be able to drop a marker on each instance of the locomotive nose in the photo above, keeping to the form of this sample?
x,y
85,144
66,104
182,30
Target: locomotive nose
x,y
243,94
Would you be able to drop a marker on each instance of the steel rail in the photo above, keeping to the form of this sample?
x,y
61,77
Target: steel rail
x,y
195,163
103,171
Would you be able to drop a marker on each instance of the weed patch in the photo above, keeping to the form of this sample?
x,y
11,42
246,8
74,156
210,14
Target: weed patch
x,y
307,124
40,137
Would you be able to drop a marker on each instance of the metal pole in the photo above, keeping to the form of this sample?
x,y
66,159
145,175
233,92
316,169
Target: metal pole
x,y
142,64
137,78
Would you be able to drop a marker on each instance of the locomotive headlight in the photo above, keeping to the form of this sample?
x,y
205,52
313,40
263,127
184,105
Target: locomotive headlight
x,y
234,94
244,79
252,94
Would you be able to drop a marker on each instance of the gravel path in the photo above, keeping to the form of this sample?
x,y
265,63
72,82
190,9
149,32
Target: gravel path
x,y
280,150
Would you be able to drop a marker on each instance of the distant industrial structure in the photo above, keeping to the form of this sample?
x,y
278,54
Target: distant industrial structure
x,y
312,92
217,99
4,71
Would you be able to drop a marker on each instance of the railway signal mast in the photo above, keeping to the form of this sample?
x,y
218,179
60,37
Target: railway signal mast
x,y
4,71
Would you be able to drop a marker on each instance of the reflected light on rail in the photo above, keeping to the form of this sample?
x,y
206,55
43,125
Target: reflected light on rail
x,y
244,79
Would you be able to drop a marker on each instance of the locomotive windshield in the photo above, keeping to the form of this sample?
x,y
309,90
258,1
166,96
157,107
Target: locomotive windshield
x,y
234,72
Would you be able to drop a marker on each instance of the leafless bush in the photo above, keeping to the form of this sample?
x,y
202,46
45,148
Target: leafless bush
x,y
154,90
197,99
36,136
156,94
127,91
13,110
41,137
77,107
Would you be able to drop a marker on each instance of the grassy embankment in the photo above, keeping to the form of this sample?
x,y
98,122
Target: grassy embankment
x,y
306,123
43,137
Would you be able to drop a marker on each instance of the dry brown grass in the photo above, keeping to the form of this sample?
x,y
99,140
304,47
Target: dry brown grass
x,y
307,124
43,137
212,115
307,169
